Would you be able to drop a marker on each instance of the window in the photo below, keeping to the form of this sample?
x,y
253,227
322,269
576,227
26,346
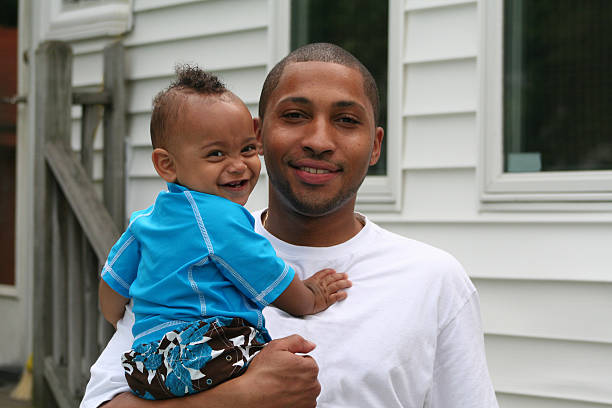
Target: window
x,y
360,27
546,130
380,191
557,86
80,19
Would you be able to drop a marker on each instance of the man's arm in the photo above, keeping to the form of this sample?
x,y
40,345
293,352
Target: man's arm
x,y
461,377
276,377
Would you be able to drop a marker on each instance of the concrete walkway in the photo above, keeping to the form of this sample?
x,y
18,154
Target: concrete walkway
x,y
5,401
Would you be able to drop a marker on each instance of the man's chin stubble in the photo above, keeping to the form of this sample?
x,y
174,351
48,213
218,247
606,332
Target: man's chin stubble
x,y
309,206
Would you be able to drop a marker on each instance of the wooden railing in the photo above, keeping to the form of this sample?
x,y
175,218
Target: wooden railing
x,y
74,227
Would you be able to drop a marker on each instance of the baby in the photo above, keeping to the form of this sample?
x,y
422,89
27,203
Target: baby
x,y
195,269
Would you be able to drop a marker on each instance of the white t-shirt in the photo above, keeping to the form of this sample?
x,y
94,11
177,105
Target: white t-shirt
x,y
408,334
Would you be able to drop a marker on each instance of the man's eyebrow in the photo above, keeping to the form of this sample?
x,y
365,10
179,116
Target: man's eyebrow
x,y
339,104
349,104
296,99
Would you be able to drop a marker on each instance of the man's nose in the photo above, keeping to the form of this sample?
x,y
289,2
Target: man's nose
x,y
319,137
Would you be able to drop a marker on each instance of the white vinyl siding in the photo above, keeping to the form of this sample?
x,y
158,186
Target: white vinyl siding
x,y
544,277
165,34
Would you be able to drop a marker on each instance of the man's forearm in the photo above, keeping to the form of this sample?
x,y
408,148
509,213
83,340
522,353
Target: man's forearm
x,y
276,378
226,395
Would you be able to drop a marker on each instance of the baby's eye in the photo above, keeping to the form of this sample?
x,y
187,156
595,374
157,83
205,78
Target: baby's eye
x,y
215,153
249,148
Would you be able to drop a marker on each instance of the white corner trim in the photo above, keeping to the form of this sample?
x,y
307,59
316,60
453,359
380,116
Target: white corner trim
x,y
539,191
8,291
61,22
383,193
279,31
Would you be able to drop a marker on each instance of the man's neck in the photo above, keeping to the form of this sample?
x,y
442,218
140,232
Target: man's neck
x,y
316,231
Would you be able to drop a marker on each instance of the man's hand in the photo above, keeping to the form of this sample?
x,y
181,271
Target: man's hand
x,y
276,378
279,378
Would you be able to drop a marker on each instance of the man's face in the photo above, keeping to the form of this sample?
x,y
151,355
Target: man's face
x,y
319,137
215,149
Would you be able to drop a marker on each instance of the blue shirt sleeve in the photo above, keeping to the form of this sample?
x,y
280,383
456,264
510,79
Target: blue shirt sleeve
x,y
121,266
244,257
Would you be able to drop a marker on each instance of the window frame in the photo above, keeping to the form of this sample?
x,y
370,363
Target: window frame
x,y
538,191
377,193
91,19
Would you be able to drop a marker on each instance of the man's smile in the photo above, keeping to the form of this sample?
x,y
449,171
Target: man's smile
x,y
312,170
315,172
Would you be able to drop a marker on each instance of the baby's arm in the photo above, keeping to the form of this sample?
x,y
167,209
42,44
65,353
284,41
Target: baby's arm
x,y
111,303
314,294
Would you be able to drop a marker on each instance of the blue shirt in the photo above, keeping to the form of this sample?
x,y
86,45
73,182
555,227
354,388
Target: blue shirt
x,y
193,255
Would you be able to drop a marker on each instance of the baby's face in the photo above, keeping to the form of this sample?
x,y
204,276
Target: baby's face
x,y
214,147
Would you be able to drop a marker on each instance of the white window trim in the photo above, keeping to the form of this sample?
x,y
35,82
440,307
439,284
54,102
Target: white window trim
x,y
542,191
88,20
378,193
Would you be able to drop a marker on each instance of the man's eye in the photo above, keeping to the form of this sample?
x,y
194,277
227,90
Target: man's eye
x,y
349,119
293,115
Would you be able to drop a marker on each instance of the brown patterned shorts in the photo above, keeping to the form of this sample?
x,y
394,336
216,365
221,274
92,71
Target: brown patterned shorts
x,y
193,358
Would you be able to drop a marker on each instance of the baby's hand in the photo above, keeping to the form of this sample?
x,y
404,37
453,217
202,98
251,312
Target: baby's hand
x,y
327,286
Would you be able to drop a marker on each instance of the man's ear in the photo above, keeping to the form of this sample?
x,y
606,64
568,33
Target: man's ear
x,y
163,161
257,124
376,149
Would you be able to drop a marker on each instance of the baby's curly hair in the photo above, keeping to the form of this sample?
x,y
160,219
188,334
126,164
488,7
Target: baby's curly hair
x,y
190,80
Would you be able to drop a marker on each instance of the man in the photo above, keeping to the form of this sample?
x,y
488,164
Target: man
x,y
409,333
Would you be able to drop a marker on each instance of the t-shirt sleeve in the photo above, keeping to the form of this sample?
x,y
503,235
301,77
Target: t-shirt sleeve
x,y
461,377
121,267
107,375
246,258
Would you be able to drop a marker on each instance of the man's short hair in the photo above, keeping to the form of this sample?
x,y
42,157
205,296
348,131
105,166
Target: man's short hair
x,y
191,80
320,52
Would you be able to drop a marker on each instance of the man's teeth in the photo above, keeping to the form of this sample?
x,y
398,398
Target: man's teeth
x,y
314,171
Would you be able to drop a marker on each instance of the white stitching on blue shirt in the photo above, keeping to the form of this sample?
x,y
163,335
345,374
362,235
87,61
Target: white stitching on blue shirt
x,y
196,213
123,248
273,285
109,267
117,278
141,215
195,288
240,279
159,327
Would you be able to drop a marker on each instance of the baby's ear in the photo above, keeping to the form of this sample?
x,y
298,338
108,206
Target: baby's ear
x,y
257,127
163,161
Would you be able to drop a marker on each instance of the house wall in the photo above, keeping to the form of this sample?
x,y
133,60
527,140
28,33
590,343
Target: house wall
x,y
544,278
165,33
15,299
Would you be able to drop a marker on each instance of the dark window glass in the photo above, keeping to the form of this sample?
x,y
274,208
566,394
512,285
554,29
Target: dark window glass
x,y
360,27
557,85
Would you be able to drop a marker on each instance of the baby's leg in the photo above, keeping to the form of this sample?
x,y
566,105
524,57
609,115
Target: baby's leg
x,y
195,358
